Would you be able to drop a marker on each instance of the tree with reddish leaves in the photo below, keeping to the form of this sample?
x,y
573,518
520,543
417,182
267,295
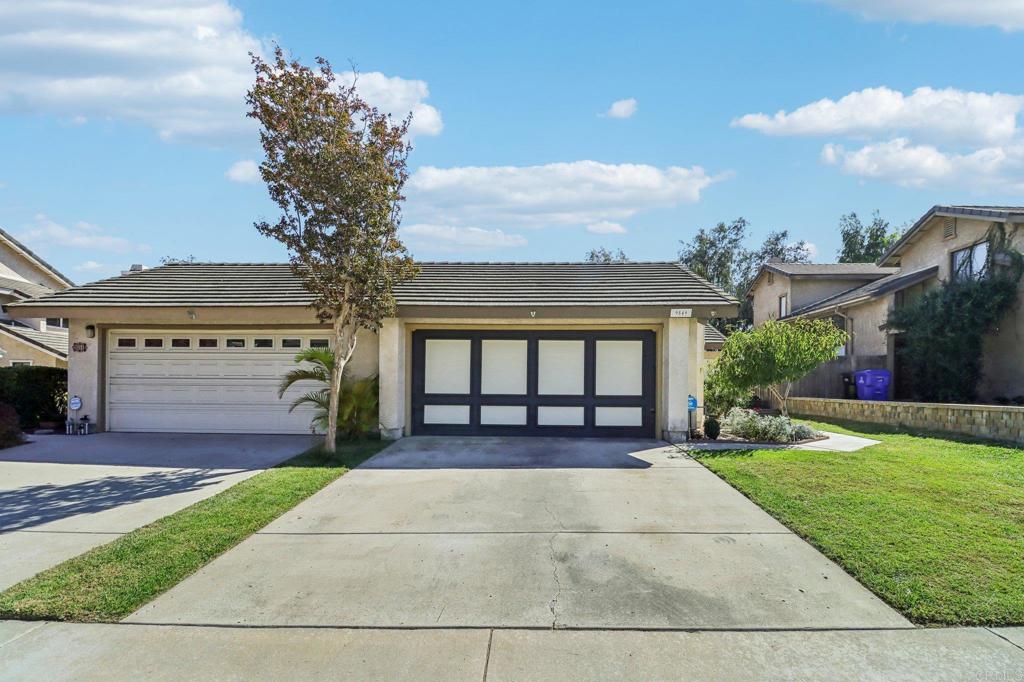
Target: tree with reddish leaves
x,y
335,166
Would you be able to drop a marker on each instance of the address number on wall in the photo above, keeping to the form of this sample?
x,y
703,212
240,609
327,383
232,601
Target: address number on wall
x,y
681,312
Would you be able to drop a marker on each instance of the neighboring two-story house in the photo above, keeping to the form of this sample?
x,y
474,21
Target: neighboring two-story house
x,y
946,241
29,341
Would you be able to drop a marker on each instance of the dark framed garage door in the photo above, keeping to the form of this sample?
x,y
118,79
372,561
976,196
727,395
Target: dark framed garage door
x,y
533,383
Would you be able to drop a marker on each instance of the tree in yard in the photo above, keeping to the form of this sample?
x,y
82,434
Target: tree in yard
x,y
720,255
335,166
775,355
865,243
603,255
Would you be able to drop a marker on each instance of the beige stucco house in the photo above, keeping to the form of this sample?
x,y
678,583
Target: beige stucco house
x,y
25,339
596,350
945,240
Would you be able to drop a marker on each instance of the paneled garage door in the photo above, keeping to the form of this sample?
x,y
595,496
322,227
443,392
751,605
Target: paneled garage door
x,y
205,382
552,383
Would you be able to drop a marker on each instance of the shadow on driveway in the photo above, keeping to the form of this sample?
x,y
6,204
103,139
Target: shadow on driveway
x,y
34,505
450,452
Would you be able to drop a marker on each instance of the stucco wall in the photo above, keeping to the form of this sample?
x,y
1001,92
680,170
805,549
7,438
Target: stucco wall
x,y
766,297
863,322
983,421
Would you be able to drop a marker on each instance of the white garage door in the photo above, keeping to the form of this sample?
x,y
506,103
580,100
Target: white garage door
x,y
205,382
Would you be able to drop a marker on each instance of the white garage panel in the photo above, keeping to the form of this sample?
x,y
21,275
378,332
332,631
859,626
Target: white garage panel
x,y
205,382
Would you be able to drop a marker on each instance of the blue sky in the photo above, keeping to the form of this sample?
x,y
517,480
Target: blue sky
x,y
541,129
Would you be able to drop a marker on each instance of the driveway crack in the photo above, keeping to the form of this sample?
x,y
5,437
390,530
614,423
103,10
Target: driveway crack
x,y
553,604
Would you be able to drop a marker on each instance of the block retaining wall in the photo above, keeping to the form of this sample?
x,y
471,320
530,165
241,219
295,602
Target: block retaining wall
x,y
997,422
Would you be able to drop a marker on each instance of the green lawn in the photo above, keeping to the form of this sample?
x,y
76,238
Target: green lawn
x,y
113,580
934,525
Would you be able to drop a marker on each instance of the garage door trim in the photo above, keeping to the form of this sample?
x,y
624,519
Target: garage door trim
x,y
589,401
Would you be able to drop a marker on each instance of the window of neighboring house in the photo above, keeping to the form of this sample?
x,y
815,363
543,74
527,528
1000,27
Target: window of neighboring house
x,y
970,263
20,363
60,322
783,306
899,299
771,278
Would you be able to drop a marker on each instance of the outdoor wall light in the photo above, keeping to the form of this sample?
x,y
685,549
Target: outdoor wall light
x,y
191,314
90,331
533,313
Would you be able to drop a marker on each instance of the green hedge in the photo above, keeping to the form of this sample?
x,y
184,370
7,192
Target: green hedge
x,y
36,393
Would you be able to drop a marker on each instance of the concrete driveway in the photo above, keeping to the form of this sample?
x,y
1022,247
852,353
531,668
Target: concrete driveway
x,y
63,495
525,533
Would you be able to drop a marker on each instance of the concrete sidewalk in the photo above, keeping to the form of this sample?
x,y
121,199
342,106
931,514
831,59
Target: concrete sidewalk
x,y
111,653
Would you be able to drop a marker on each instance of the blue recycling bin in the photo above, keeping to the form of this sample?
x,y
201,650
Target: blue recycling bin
x,y
873,384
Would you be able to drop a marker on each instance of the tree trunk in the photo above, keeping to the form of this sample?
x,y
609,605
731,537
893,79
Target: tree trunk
x,y
344,346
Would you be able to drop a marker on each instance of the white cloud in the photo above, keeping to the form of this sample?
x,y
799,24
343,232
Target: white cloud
x,y
573,193
942,115
454,238
46,234
246,171
901,162
623,108
180,67
399,97
812,249
90,266
606,227
1006,14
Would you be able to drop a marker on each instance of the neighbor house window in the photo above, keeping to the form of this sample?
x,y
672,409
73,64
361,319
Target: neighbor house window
x,y
783,306
60,322
970,263
20,363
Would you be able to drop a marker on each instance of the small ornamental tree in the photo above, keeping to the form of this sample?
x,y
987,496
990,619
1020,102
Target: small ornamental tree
x,y
335,166
775,355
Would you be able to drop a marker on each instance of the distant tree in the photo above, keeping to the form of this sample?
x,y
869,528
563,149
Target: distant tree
x,y
335,166
719,255
775,355
603,255
865,243
172,260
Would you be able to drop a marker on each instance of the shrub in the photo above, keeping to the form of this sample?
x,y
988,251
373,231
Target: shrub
x,y
712,428
720,396
36,393
756,427
10,430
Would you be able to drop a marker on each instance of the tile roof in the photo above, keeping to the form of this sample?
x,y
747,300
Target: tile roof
x,y
830,269
438,284
23,288
54,341
868,291
997,213
712,337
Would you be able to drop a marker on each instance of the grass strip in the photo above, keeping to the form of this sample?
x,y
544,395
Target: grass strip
x,y
113,580
933,525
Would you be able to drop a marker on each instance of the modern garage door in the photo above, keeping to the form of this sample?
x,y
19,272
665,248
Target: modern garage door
x,y
205,382
552,383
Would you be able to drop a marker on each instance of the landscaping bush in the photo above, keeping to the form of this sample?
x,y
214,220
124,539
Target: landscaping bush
x,y
36,393
712,428
10,430
750,425
720,396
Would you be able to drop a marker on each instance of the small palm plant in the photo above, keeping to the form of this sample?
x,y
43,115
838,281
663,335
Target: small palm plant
x,y
357,405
